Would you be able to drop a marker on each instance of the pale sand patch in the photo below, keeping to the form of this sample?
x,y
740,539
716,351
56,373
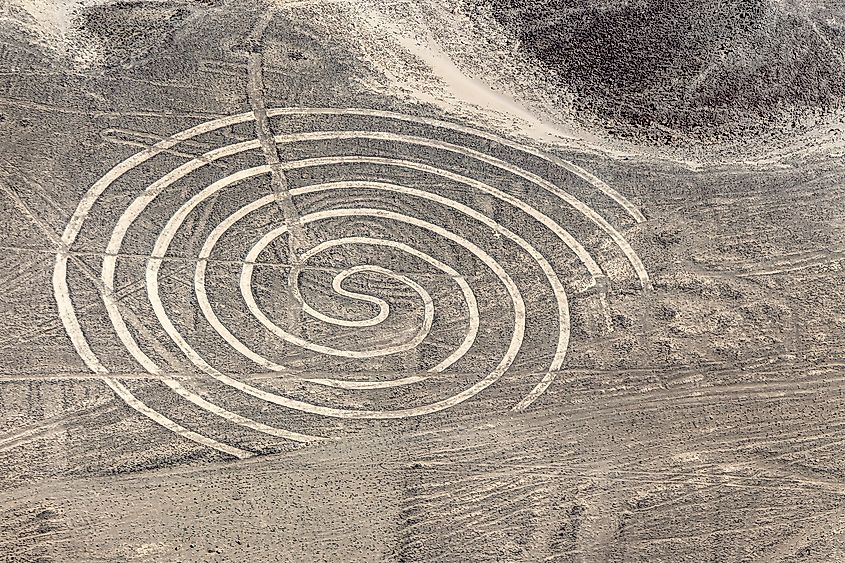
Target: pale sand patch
x,y
54,23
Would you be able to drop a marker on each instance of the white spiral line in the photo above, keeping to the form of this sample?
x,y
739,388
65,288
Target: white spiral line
x,y
337,286
205,306
71,323
246,291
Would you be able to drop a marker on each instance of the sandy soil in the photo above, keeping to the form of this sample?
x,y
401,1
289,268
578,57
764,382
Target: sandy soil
x,y
455,325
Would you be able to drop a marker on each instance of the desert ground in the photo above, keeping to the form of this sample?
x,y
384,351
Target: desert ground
x,y
361,281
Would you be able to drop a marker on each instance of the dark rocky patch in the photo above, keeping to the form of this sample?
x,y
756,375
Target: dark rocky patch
x,y
703,68
132,32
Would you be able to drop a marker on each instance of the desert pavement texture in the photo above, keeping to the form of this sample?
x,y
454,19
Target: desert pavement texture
x,y
336,280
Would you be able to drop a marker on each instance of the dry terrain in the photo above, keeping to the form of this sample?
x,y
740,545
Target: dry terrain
x,y
307,282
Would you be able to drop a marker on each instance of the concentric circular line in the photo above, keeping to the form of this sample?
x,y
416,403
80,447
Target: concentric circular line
x,y
163,242
175,222
157,187
469,296
60,288
170,230
513,348
139,204
71,232
596,182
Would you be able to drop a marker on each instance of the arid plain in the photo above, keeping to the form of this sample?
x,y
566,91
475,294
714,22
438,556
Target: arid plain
x,y
304,282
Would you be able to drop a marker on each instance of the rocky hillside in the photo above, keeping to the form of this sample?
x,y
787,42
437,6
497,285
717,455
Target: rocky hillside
x,y
701,68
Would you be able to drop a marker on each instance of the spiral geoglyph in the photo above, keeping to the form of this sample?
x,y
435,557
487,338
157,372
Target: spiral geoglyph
x,y
433,197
